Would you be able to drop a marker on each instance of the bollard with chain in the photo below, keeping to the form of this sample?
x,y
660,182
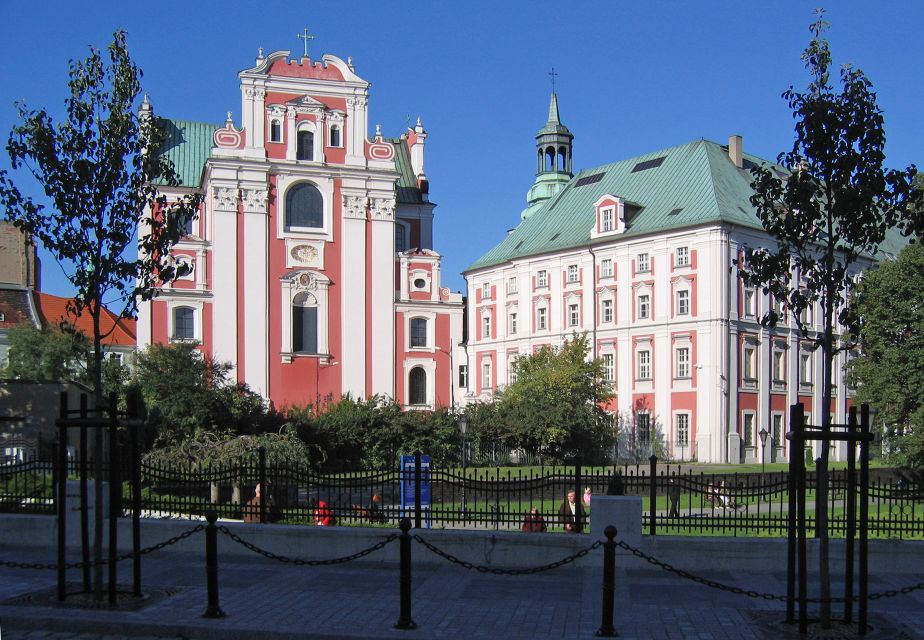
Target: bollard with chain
x,y
211,567
606,629
404,619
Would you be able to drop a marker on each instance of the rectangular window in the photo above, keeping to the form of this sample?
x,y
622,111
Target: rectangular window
x,y
607,311
683,302
644,307
750,303
606,220
683,257
682,429
749,363
776,431
606,268
805,368
541,320
574,316
418,332
748,430
486,375
542,278
486,290
779,365
463,376
512,370
643,427
305,329
512,284
608,362
486,326
572,273
683,362
513,323
644,365
641,263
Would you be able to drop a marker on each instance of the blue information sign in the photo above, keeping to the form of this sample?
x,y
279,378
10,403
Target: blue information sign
x,y
407,482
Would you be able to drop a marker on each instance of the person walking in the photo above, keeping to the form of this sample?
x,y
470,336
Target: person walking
x,y
571,514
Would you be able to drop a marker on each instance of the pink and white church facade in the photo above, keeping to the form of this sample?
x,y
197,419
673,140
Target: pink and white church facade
x,y
312,267
638,255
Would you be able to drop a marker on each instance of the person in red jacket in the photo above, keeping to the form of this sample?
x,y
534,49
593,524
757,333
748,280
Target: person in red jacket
x,y
534,522
323,516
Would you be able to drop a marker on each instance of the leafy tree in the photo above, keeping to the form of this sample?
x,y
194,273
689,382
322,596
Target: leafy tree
x,y
889,371
555,406
829,213
50,353
100,169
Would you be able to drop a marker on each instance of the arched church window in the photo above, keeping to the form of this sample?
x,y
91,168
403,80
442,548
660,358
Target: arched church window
x,y
304,207
304,323
334,136
417,383
305,147
184,327
275,131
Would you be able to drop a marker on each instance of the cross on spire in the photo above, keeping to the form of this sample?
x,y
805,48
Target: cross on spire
x,y
553,74
304,36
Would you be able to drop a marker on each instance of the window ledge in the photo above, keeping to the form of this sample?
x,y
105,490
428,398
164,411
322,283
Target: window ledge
x,y
288,356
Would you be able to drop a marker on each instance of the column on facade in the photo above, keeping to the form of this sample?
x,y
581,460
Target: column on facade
x,y
224,208
256,287
353,294
291,143
382,292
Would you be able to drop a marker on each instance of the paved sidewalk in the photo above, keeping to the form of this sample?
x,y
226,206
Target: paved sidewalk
x,y
266,599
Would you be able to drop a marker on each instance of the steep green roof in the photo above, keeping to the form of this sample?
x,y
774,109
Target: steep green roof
x,y
682,186
406,189
188,144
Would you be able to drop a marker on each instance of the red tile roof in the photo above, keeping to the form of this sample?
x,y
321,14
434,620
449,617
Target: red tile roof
x,y
14,307
53,309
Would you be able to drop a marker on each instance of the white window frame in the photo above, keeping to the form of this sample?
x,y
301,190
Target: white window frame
x,y
542,318
512,369
196,308
430,317
643,364
572,273
607,218
643,303
542,279
683,302
512,284
749,304
606,268
606,311
608,364
512,322
642,263
748,362
330,129
286,181
486,375
429,367
779,363
682,362
749,431
682,257
777,435
574,314
682,429
806,367
317,284
486,291
486,326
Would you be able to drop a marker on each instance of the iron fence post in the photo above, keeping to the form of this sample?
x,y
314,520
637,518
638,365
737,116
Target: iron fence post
x,y
62,497
851,504
134,413
417,507
579,514
653,494
115,491
404,617
263,488
862,604
609,584
211,567
791,520
84,496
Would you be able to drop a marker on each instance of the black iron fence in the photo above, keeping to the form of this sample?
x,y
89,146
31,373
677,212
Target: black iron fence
x,y
674,501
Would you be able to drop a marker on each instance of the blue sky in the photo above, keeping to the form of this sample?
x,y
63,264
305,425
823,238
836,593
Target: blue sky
x,y
632,78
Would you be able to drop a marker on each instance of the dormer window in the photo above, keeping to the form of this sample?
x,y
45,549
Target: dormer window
x,y
610,216
606,220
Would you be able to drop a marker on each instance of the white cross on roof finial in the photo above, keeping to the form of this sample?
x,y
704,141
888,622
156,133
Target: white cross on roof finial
x,y
304,36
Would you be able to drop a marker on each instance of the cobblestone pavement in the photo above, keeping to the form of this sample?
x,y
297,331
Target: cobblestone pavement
x,y
263,599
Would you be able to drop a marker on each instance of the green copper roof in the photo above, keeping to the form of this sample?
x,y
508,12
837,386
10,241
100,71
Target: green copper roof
x,y
553,124
188,144
682,186
406,189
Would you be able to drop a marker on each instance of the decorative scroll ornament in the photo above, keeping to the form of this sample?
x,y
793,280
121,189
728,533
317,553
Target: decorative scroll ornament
x,y
383,209
305,281
255,199
354,207
304,253
225,198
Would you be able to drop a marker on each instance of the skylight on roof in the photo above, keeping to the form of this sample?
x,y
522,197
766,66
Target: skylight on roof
x,y
554,237
674,212
648,164
597,177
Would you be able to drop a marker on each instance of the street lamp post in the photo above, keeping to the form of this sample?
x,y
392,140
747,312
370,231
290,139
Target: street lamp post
x,y
763,449
463,427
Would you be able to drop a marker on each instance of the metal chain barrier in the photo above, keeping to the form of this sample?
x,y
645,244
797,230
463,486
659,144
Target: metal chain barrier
x,y
125,556
507,572
301,561
889,593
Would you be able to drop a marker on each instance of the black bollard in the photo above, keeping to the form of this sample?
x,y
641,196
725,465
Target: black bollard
x,y
211,566
404,619
606,629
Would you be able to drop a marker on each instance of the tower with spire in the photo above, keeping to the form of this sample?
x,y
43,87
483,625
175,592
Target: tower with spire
x,y
553,160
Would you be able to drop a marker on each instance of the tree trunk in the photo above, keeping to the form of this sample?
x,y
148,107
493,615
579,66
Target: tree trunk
x,y
98,453
821,495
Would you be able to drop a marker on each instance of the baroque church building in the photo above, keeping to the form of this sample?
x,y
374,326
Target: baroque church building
x,y
638,254
312,267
